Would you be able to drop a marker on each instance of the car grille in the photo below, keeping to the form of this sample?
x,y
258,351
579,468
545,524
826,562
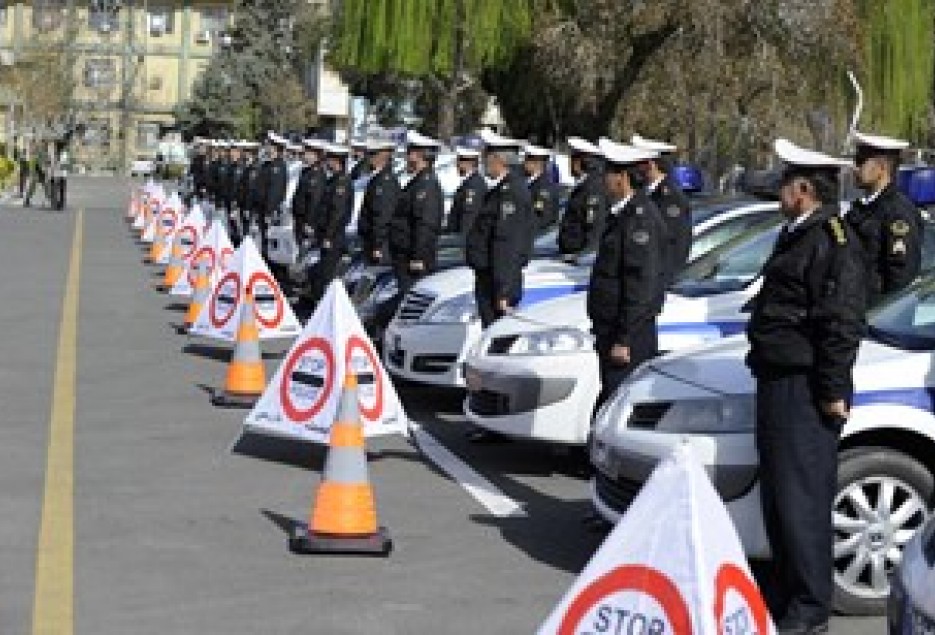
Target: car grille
x,y
646,416
501,345
616,493
415,305
361,289
433,364
488,403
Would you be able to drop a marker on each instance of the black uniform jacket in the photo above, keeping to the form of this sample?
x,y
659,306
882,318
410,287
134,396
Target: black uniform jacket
x,y
674,208
584,215
417,220
309,192
625,282
377,209
808,315
466,204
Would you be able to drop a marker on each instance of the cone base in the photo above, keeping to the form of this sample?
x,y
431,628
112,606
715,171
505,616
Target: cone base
x,y
303,541
227,399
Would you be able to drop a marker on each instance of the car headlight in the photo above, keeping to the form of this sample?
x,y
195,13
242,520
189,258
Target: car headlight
x,y
386,292
354,273
561,341
728,414
459,309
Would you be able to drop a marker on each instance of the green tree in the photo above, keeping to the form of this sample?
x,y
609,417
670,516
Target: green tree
x,y
445,43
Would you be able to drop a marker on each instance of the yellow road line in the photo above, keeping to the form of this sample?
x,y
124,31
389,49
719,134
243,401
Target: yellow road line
x,y
53,602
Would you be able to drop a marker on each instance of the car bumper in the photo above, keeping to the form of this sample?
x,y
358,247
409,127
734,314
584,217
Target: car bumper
x,y
622,469
429,353
548,398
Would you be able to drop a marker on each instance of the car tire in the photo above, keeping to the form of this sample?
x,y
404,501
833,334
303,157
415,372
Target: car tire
x,y
859,464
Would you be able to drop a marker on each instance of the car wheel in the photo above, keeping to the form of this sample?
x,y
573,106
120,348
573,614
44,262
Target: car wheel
x,y
883,497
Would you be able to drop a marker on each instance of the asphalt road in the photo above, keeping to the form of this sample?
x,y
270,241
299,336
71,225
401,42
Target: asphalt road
x,y
175,533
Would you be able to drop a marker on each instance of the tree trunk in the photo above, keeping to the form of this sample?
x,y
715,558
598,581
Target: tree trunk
x,y
448,99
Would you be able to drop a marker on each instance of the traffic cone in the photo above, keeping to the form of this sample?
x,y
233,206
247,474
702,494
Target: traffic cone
x,y
200,293
134,207
155,249
246,377
344,515
176,266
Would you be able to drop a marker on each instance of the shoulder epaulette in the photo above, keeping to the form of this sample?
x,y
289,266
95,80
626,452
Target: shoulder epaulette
x,y
837,230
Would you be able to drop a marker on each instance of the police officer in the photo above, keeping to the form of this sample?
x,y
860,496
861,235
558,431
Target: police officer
x,y
309,192
273,181
497,246
542,190
250,188
804,331
232,176
670,200
417,219
887,224
625,280
337,208
379,204
359,164
215,169
197,168
580,227
469,197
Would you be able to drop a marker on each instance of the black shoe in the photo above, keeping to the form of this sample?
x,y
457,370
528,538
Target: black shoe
x,y
796,626
486,436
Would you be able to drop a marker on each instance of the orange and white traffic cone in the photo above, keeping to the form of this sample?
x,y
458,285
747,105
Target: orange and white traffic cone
x,y
134,207
200,293
344,514
155,249
246,377
176,266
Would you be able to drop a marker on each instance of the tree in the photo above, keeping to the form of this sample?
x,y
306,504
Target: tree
x,y
43,82
445,43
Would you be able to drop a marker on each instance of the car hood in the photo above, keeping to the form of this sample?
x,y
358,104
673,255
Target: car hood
x,y
539,274
568,310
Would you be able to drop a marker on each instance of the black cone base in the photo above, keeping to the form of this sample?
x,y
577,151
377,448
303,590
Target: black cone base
x,y
304,542
224,399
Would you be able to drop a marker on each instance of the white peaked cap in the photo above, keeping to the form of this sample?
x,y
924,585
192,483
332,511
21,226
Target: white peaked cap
x,y
792,154
466,153
336,150
536,152
577,144
377,145
275,138
493,140
419,140
621,154
887,144
315,144
650,144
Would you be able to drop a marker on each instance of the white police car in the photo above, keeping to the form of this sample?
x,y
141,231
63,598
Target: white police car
x,y
437,325
535,374
911,606
704,397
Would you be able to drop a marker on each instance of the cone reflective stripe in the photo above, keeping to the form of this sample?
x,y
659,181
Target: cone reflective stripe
x,y
155,250
246,377
344,514
176,264
199,294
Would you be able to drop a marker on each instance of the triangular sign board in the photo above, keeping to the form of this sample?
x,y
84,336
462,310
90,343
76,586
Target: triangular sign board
x,y
216,249
221,315
301,400
673,564
169,218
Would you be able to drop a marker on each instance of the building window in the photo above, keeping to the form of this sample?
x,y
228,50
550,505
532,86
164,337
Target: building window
x,y
100,72
47,15
104,15
97,132
3,8
213,20
160,20
147,135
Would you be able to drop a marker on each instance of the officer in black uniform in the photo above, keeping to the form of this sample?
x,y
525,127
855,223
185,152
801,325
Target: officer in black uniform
x,y
417,219
215,169
250,188
306,201
672,203
542,190
805,327
198,167
888,225
232,177
273,180
499,242
379,204
469,197
331,231
580,227
359,164
623,294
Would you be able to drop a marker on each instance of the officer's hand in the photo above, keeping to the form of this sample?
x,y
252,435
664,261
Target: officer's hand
x,y
835,408
503,306
416,265
326,244
376,254
620,354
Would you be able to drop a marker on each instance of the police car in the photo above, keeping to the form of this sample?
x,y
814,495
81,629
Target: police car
x,y
437,325
705,398
535,374
911,606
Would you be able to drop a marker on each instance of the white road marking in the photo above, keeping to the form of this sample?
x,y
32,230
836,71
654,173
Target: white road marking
x,y
486,493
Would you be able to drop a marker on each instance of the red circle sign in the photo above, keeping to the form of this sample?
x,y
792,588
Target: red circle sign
x,y
226,254
225,298
205,253
362,361
307,380
730,577
635,578
268,303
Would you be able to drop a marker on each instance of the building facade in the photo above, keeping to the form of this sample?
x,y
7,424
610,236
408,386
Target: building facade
x,y
133,61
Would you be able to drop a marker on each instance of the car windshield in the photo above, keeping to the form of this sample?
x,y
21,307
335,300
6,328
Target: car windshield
x,y
731,266
719,232
907,320
709,208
